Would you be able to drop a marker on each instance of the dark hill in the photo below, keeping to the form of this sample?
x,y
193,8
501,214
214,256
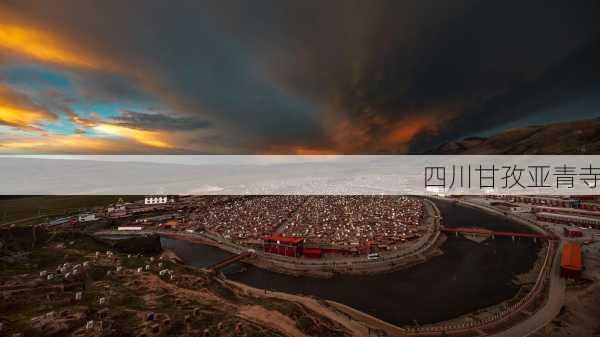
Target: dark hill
x,y
578,137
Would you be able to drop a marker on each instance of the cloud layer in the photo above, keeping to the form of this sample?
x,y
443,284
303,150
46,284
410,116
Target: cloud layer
x,y
327,76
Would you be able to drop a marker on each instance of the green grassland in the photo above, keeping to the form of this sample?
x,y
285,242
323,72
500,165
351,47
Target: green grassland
x,y
25,207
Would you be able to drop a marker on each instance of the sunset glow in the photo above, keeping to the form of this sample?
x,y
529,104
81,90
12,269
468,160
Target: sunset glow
x,y
150,138
42,46
390,78
20,117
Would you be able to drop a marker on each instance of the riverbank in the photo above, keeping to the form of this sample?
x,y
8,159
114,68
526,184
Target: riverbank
x,y
532,225
408,255
529,301
489,319
445,288
64,286
325,309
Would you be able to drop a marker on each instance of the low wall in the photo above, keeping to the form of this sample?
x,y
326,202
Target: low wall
x,y
511,311
344,265
388,261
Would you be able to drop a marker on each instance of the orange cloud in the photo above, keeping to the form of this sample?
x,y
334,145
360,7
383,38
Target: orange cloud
x,y
43,46
18,117
350,137
405,130
105,143
17,110
150,138
303,150
57,144
70,144
306,150
365,136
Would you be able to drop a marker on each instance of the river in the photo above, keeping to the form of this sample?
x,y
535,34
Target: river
x,y
467,277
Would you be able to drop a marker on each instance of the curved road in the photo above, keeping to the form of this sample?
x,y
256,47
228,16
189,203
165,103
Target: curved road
x,y
551,308
556,294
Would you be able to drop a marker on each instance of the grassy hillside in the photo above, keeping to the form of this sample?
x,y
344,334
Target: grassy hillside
x,y
23,207
579,137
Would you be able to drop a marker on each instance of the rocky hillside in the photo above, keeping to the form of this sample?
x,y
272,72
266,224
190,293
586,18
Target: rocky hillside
x,y
579,137
57,285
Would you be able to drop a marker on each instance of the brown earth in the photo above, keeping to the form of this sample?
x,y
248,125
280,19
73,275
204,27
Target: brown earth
x,y
578,137
192,303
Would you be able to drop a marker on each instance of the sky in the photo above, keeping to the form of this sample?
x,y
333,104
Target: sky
x,y
295,77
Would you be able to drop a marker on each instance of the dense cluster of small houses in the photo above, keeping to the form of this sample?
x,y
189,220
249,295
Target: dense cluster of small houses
x,y
334,221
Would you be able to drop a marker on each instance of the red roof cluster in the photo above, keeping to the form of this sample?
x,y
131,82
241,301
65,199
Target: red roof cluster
x,y
571,257
284,239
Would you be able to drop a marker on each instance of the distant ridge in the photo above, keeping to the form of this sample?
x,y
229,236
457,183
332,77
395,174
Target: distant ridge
x,y
578,137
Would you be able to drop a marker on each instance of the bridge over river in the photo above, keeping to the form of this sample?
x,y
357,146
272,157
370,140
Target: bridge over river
x,y
443,288
229,261
483,232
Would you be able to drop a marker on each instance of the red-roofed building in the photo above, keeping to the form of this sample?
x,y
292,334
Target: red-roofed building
x,y
572,232
283,245
568,219
571,261
313,253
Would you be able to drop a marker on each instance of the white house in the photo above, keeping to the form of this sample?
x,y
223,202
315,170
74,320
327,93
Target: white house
x,y
521,209
159,199
130,228
85,217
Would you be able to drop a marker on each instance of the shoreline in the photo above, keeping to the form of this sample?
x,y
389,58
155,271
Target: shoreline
x,y
497,314
420,251
353,319
528,300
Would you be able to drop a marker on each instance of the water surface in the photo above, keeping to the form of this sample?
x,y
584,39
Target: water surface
x,y
469,276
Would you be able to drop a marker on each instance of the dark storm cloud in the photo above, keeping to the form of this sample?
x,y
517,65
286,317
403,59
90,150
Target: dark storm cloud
x,y
103,87
347,75
569,81
186,54
159,121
